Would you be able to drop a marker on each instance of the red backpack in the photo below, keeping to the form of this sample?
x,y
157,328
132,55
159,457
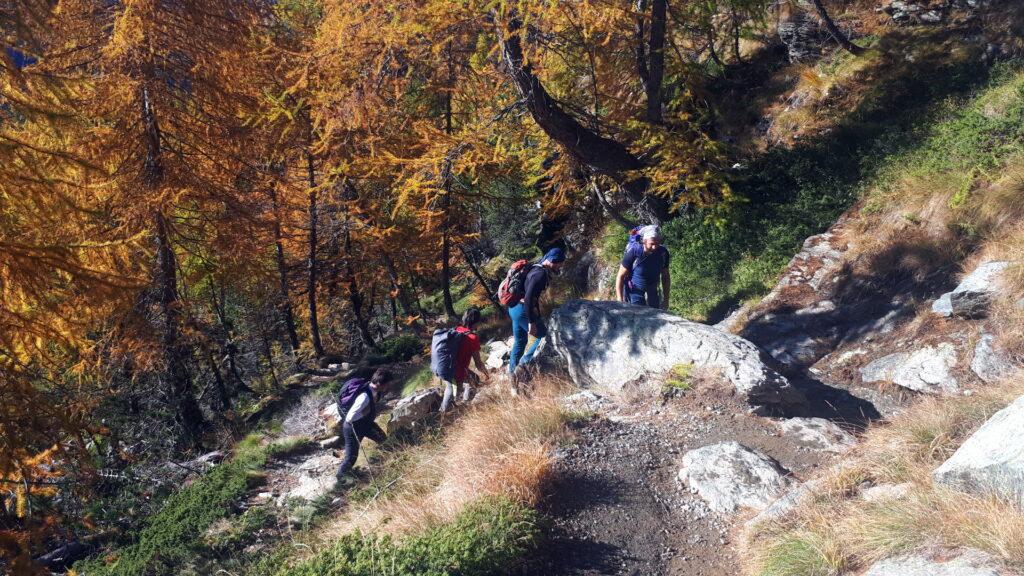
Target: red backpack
x,y
513,287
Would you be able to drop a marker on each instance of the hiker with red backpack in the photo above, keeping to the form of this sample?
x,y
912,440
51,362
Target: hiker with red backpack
x,y
644,266
450,354
521,291
357,407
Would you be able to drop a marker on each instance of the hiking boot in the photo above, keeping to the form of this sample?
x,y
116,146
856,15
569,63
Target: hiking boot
x,y
344,482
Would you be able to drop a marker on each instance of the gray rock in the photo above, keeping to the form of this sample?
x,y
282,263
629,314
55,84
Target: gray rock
x,y
312,479
971,298
988,363
584,401
296,380
329,414
788,502
328,443
817,434
801,34
497,355
413,409
968,563
729,476
886,492
610,344
926,370
991,461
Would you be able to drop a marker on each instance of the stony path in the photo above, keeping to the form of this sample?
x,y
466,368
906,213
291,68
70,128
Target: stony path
x,y
617,507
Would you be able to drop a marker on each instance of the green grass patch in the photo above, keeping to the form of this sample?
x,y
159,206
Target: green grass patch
x,y
175,534
290,446
419,379
397,349
490,537
948,116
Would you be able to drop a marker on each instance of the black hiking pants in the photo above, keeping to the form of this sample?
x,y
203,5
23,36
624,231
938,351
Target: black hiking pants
x,y
353,433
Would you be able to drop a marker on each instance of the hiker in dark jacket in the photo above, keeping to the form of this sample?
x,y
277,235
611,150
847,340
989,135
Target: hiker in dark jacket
x,y
469,349
358,422
526,318
643,269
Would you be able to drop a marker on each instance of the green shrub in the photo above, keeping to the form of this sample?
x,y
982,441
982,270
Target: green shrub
x,y
490,537
397,349
290,446
954,117
176,533
419,379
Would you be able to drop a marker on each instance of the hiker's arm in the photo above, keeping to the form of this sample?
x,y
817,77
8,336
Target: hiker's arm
x,y
480,366
666,287
620,280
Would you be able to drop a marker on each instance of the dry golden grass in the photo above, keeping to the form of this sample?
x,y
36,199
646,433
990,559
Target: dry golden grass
x,y
836,530
501,446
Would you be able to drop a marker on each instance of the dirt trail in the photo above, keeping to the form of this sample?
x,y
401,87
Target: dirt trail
x,y
617,507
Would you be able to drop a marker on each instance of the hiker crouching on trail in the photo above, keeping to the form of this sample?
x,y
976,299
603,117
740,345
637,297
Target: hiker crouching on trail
x,y
526,318
469,349
643,266
357,405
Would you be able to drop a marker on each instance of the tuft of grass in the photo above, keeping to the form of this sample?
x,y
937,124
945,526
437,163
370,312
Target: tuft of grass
x,y
678,380
491,536
175,534
397,349
289,446
836,530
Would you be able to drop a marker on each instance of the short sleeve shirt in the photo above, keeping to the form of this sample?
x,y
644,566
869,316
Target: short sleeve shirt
x,y
646,266
469,346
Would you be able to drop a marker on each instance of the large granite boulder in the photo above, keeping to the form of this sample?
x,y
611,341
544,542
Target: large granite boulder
x,y
971,298
967,563
414,409
991,461
929,369
498,353
611,344
729,476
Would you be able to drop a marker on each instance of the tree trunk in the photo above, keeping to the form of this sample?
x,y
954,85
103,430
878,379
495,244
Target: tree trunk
x,y
650,55
311,278
602,154
175,353
403,296
355,299
835,31
491,292
446,179
609,209
282,275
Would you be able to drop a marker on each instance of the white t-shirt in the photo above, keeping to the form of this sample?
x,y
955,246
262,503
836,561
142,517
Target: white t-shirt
x,y
360,408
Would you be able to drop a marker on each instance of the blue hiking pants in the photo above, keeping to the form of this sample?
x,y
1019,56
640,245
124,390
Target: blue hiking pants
x,y
645,297
521,335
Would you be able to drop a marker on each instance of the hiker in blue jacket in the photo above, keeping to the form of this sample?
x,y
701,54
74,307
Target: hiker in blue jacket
x,y
644,266
359,400
526,318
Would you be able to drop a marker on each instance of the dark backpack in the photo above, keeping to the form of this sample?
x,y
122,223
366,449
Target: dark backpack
x,y
351,390
635,247
444,346
513,287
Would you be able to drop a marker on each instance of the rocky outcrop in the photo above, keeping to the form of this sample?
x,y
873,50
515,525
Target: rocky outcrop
x,y
971,298
497,354
989,363
414,409
729,476
817,434
611,344
313,479
967,563
884,492
926,370
991,461
802,35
